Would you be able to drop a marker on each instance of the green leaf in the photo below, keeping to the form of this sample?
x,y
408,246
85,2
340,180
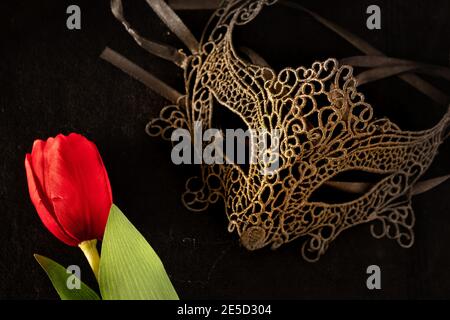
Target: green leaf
x,y
59,276
129,267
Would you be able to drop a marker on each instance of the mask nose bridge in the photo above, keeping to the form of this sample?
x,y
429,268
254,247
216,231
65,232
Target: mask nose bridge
x,y
277,200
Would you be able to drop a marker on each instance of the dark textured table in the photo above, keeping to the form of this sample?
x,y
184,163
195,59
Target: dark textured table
x,y
53,81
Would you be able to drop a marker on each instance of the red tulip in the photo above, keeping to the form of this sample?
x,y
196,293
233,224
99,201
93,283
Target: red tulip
x,y
69,187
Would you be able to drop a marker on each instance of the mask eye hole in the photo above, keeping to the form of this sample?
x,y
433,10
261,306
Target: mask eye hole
x,y
235,133
345,187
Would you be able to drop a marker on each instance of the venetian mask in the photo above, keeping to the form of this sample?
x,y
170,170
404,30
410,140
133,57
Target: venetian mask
x,y
326,127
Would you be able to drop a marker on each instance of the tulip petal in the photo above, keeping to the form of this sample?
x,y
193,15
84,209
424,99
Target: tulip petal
x,y
78,186
39,200
38,163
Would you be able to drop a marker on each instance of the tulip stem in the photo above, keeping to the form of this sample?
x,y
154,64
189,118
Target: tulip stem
x,y
89,249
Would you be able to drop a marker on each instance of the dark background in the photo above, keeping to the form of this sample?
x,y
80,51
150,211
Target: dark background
x,y
52,81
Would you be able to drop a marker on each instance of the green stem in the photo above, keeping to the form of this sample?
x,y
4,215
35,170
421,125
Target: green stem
x,y
89,249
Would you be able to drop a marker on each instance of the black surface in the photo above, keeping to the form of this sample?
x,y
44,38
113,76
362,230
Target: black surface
x,y
52,81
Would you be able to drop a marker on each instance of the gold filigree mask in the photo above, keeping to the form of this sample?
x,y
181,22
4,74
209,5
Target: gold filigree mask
x,y
327,128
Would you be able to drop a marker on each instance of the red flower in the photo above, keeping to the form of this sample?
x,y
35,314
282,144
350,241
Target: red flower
x,y
69,187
